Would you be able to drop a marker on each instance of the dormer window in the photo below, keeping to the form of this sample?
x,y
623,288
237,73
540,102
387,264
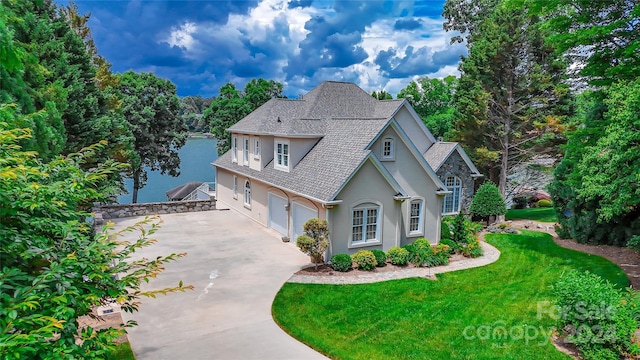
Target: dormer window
x,y
388,149
234,149
245,151
256,148
281,155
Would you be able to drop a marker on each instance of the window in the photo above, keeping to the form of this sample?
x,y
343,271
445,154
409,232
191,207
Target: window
x,y
388,152
245,151
247,193
365,224
451,202
234,149
256,148
235,187
282,155
415,216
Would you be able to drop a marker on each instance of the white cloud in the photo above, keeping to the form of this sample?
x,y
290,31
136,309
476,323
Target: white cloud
x,y
182,36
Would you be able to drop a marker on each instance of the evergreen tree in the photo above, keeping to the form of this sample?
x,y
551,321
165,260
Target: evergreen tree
x,y
487,202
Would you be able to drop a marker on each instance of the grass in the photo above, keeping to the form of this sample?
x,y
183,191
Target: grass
x,y
424,319
537,214
122,352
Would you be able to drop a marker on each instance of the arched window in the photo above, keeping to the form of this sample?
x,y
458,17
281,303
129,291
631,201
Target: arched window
x,y
451,202
247,193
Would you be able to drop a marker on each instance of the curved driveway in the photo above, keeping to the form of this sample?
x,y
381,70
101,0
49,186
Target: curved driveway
x,y
236,267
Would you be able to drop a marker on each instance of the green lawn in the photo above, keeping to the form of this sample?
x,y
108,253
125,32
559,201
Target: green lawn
x,y
122,352
537,214
445,319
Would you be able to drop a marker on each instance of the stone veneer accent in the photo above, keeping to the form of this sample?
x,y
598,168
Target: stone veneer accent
x,y
455,166
171,207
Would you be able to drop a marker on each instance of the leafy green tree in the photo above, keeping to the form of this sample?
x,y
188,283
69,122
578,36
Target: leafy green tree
x,y
232,105
381,95
315,240
433,101
603,36
150,106
511,100
54,269
191,110
487,202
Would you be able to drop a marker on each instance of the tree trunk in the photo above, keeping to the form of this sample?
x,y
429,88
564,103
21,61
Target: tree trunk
x,y
136,186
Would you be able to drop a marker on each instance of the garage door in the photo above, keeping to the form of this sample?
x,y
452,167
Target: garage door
x,y
300,214
278,214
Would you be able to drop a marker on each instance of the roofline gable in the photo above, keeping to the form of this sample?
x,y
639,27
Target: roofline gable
x,y
417,118
381,169
464,157
412,148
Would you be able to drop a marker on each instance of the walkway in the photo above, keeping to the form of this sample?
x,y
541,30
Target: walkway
x,y
491,255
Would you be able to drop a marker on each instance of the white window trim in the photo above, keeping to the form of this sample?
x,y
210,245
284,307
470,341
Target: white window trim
x,y
364,205
247,194
420,231
235,187
234,149
275,155
392,156
245,150
256,148
454,212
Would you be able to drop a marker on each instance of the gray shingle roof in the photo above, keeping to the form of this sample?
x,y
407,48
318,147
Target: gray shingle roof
x,y
343,117
180,192
438,153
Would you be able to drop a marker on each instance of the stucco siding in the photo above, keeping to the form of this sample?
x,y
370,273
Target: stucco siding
x,y
413,129
412,177
300,148
367,186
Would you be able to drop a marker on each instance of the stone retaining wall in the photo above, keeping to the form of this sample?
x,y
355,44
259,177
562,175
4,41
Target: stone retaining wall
x,y
172,207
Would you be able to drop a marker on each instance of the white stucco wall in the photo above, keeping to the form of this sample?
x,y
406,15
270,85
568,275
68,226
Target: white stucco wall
x,y
413,129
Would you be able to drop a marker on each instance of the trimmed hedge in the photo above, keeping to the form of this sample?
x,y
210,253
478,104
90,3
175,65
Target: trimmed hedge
x,y
364,259
341,262
398,256
381,257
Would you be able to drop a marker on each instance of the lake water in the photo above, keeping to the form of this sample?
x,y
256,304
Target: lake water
x,y
196,157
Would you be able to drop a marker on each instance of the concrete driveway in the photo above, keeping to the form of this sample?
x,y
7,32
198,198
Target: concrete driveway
x,y
236,267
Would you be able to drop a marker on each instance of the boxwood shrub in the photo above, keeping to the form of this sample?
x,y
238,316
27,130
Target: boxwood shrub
x,y
364,259
398,256
341,262
381,257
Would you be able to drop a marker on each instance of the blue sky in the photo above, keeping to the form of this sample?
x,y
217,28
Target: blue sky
x,y
201,45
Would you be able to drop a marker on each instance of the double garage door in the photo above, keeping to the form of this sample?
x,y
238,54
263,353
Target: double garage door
x,y
279,217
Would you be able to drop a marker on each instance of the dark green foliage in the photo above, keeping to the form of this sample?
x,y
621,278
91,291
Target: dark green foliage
x,y
634,242
381,95
150,106
432,99
453,246
487,202
598,318
232,105
341,262
420,252
364,260
54,268
192,109
472,249
459,229
594,192
519,203
381,257
445,230
398,256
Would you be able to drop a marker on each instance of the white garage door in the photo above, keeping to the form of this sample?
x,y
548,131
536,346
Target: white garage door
x,y
300,214
278,214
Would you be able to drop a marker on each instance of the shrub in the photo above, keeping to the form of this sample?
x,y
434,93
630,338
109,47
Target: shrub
x,y
544,203
341,262
453,247
487,202
520,202
364,259
422,243
472,249
381,257
314,241
441,255
634,242
445,231
600,319
398,256
459,229
502,226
